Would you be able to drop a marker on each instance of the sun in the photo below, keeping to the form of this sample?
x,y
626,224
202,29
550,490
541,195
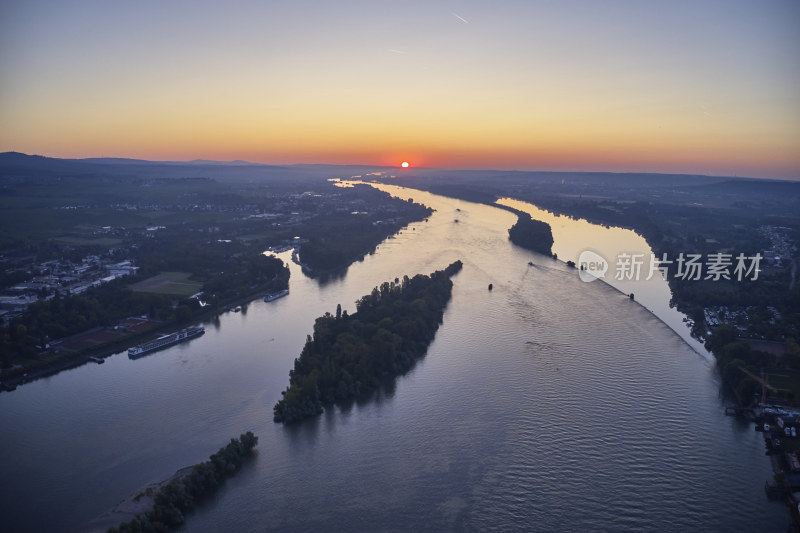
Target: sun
x,y
404,164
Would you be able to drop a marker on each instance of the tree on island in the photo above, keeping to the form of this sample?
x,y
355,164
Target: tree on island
x,y
351,355
531,234
180,495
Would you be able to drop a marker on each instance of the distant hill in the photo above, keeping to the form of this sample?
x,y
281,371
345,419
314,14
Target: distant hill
x,y
128,161
21,165
115,161
17,166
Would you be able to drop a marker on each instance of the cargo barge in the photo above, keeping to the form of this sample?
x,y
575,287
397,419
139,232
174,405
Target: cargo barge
x,y
165,340
275,296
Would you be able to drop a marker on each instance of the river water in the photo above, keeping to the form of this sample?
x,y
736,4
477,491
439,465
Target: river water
x,y
617,247
546,404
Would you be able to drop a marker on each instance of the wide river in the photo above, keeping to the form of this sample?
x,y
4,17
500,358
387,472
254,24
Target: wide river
x,y
546,404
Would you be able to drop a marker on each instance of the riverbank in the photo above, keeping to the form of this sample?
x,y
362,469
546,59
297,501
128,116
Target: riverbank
x,y
70,360
137,503
779,426
658,308
172,500
459,438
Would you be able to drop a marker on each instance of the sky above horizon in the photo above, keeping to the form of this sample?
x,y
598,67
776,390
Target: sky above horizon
x,y
701,87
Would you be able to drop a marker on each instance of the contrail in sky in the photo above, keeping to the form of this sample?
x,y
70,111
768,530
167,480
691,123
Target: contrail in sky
x,y
462,19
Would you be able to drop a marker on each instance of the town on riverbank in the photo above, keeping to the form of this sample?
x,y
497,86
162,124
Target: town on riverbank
x,y
780,424
138,250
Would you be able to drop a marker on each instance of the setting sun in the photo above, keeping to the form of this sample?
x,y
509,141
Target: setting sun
x,y
404,164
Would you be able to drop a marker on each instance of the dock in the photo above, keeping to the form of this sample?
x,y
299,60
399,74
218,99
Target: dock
x,y
775,491
740,411
782,444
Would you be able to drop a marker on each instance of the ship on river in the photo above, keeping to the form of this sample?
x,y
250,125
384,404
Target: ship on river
x,y
276,295
165,340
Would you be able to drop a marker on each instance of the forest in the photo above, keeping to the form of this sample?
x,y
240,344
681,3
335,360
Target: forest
x,y
349,356
531,234
338,239
183,493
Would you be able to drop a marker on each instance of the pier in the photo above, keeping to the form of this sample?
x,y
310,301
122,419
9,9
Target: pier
x,y
747,412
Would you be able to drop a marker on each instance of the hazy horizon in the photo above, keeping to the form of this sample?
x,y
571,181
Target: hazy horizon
x,y
706,88
397,168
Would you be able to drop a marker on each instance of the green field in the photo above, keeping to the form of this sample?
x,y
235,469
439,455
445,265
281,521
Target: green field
x,y
171,283
786,380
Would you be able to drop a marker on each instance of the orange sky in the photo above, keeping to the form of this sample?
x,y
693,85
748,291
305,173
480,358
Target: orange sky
x,y
701,87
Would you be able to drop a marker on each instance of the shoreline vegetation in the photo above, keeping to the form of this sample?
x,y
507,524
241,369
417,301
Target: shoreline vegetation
x,y
339,241
350,356
751,327
70,360
194,246
530,234
186,312
679,215
163,506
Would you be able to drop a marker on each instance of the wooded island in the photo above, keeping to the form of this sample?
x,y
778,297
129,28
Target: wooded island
x,y
534,235
349,355
181,494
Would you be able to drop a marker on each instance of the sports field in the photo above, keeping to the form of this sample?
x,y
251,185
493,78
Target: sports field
x,y
172,283
785,380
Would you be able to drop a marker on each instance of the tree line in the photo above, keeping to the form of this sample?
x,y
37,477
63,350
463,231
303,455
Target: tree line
x,y
181,495
336,240
349,356
531,234
109,303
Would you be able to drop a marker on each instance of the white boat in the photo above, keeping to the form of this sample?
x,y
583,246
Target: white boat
x,y
276,295
165,340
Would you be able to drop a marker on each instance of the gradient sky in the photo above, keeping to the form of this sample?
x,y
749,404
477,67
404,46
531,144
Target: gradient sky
x,y
709,87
